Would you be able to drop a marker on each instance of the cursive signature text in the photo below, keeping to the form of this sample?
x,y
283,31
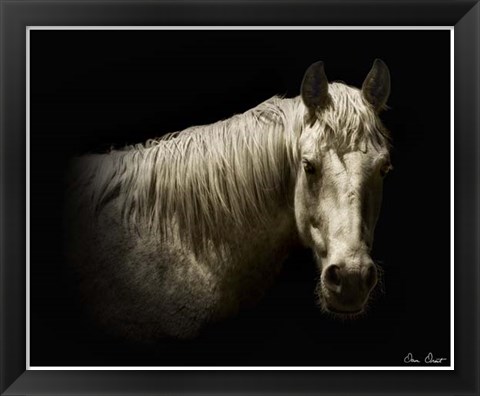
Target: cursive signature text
x,y
428,359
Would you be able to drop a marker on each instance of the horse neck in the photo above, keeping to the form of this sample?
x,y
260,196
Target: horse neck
x,y
276,227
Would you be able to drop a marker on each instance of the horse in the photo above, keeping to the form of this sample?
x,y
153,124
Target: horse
x,y
185,230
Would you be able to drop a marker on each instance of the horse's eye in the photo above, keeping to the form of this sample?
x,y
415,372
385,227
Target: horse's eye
x,y
308,167
385,169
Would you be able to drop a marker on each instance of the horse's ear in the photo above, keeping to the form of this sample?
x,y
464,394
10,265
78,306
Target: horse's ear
x,y
376,87
315,88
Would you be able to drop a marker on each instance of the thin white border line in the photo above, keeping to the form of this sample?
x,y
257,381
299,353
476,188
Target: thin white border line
x,y
227,368
452,199
247,368
27,189
240,27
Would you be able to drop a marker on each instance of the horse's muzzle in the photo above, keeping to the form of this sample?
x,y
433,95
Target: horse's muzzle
x,y
346,289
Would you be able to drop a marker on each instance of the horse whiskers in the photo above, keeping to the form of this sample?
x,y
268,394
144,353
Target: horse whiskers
x,y
374,295
380,286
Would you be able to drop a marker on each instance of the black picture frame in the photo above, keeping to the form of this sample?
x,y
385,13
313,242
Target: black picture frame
x,y
17,15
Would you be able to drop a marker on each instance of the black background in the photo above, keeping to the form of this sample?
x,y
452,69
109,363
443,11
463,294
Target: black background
x,y
94,89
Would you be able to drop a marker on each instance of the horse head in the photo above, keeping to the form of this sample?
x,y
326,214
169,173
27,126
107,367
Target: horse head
x,y
344,154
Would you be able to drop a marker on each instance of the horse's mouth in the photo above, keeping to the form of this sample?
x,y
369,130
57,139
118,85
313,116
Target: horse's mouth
x,y
343,312
338,307
336,312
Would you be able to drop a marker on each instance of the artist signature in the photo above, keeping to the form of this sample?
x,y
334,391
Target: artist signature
x,y
428,359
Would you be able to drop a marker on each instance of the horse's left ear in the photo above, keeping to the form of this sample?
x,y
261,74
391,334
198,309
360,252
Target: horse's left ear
x,y
315,89
376,87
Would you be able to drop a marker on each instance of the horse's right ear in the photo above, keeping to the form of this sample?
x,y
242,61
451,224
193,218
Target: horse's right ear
x,y
376,87
315,88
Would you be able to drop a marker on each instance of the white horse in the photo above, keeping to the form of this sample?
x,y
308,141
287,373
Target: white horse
x,y
186,229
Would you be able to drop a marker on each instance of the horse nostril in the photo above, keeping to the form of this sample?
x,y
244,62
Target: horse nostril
x,y
332,277
370,276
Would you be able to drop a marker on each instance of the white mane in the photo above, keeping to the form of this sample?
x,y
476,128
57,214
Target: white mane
x,y
205,180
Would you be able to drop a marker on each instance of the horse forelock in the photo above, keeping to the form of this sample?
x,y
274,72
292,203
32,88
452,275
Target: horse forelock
x,y
348,121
